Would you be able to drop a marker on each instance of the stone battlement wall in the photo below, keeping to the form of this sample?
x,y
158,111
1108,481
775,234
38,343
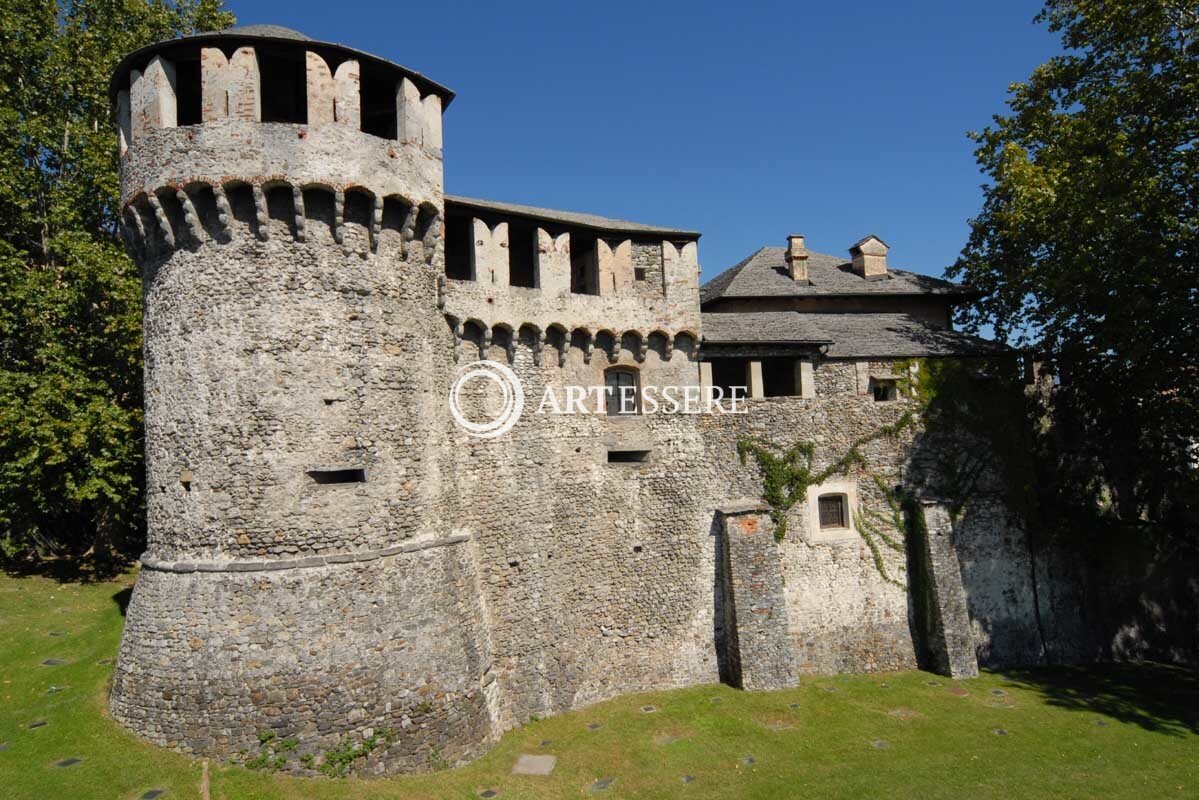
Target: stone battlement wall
x,y
666,298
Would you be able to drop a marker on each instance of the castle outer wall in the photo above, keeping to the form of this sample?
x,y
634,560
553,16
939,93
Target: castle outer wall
x,y
331,558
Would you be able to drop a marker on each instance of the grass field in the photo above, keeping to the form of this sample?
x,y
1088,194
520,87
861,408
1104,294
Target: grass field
x,y
1099,732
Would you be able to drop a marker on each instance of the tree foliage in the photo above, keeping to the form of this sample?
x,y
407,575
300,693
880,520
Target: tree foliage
x,y
70,299
1086,247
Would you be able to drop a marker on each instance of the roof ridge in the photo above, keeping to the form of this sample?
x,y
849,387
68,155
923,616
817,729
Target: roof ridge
x,y
727,275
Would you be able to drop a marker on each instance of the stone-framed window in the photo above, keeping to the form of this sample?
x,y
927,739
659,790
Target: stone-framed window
x,y
885,390
622,391
830,511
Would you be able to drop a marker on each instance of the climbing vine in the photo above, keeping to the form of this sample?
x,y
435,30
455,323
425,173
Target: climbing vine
x,y
872,526
787,474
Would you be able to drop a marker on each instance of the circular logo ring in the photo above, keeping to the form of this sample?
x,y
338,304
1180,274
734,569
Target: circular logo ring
x,y
513,398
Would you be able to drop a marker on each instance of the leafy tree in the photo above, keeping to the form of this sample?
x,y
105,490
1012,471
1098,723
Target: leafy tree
x,y
1087,246
70,299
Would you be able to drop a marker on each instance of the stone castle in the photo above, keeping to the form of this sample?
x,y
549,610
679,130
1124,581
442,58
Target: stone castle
x,y
331,556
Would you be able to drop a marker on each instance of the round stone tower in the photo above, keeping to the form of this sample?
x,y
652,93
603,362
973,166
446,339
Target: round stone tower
x,y
284,200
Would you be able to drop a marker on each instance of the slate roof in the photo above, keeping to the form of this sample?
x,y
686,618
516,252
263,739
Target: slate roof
x,y
569,217
764,274
271,31
895,336
762,327
852,335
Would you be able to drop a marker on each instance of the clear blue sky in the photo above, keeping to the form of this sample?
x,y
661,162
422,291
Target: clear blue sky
x,y
743,121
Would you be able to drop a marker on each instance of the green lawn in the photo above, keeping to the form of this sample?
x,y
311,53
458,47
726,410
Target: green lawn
x,y
1099,732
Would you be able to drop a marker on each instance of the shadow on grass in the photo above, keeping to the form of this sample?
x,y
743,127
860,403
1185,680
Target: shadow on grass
x,y
1158,697
122,597
66,569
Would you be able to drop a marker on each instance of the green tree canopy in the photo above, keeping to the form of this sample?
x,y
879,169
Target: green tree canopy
x,y
1087,248
70,299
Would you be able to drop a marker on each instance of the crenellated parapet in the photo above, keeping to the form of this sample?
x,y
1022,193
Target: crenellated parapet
x,y
255,105
513,270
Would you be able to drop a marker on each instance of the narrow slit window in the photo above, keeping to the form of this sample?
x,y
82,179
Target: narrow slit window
x,y
628,456
333,477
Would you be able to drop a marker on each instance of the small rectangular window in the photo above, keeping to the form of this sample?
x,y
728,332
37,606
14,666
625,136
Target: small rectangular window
x,y
639,274
885,391
832,511
331,477
778,377
628,456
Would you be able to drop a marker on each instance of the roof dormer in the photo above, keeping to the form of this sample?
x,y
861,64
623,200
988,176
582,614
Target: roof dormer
x,y
870,258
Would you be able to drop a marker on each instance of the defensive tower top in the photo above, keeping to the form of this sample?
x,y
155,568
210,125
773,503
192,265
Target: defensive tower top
x,y
262,102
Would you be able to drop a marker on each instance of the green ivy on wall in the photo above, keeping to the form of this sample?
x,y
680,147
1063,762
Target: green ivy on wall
x,y
873,527
788,473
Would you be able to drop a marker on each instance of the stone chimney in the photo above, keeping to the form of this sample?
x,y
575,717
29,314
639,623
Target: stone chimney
x,y
870,258
797,258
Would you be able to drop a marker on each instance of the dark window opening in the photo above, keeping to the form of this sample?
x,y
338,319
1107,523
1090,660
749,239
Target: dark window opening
x,y
730,373
329,477
522,255
621,392
584,266
378,98
885,391
778,377
187,91
284,85
833,511
639,274
459,248
628,456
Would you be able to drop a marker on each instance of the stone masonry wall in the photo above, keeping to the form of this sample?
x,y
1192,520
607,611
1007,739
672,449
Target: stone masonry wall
x,y
212,659
330,556
757,637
